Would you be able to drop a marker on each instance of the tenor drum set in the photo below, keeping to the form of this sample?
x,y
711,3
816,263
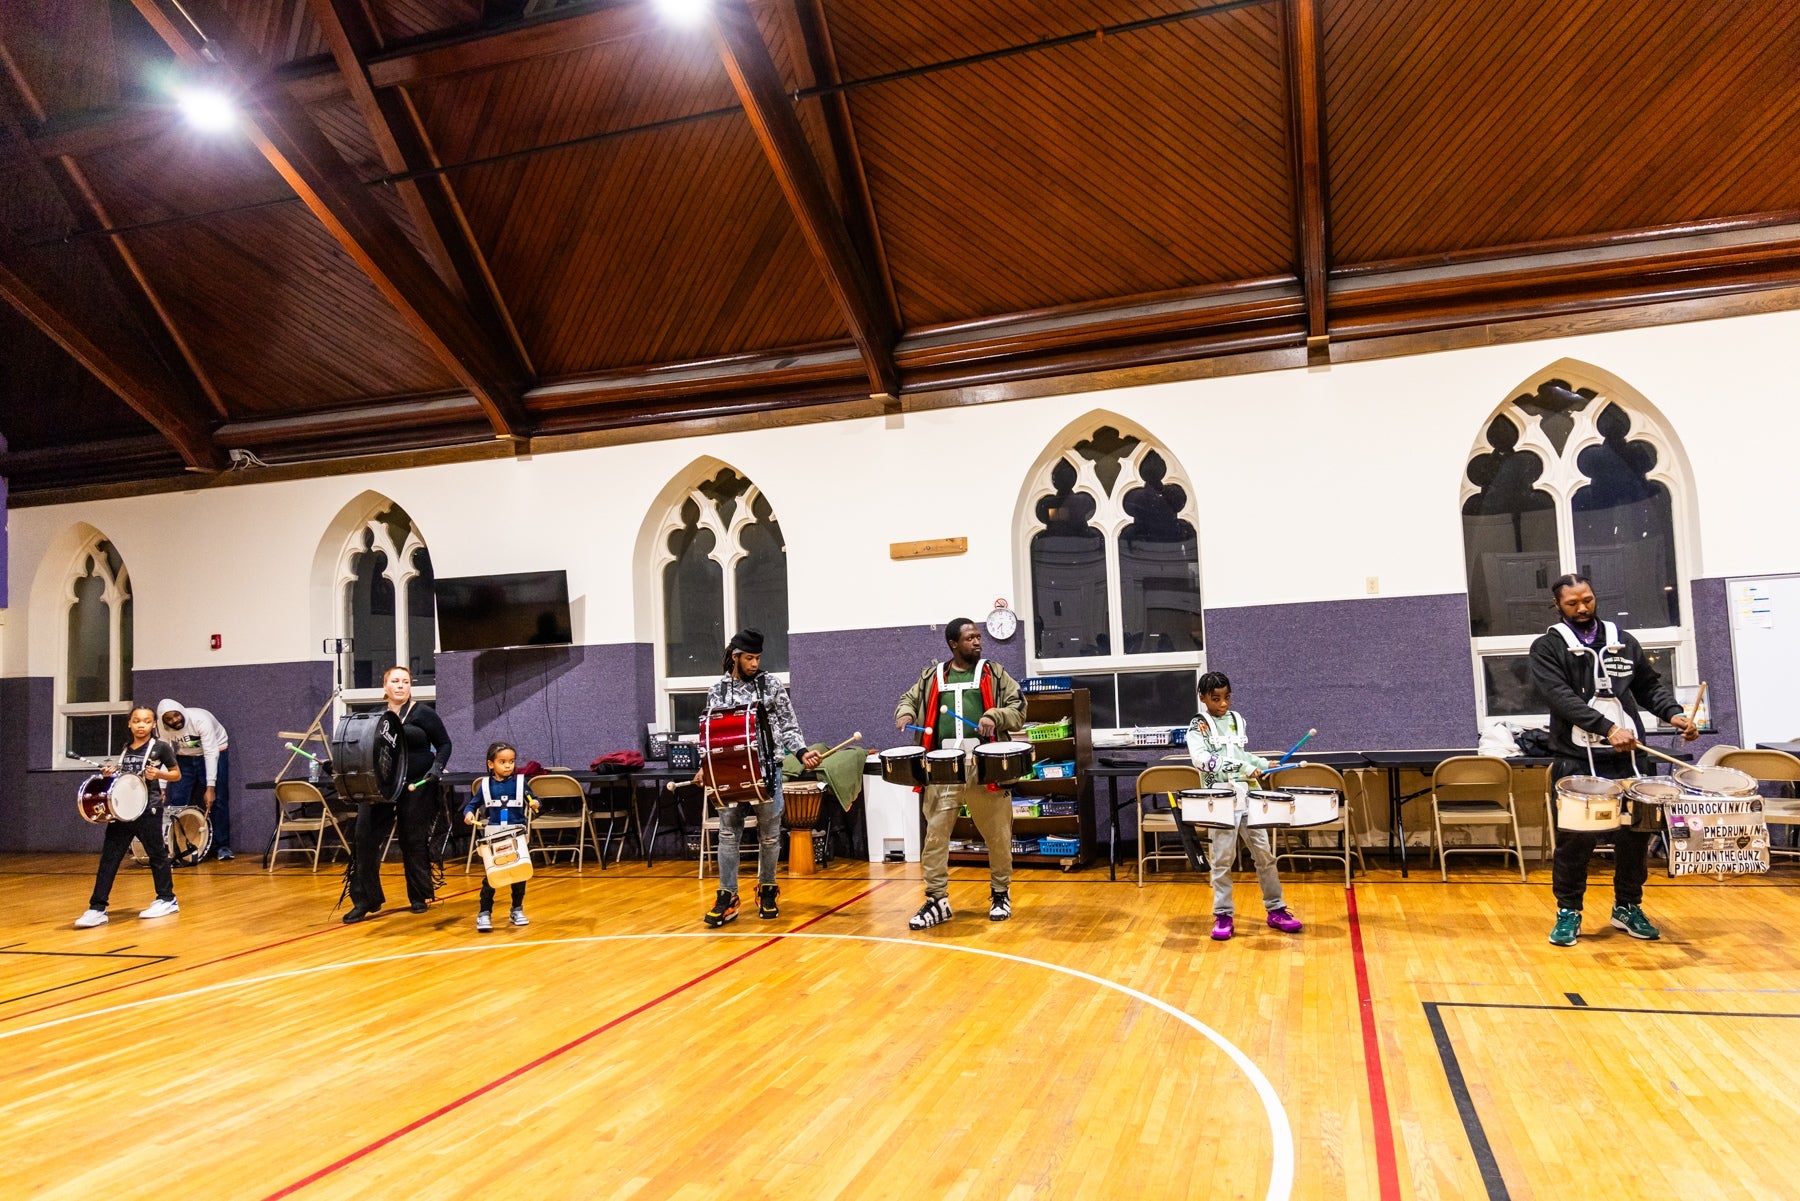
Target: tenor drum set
x,y
989,763
1265,808
1662,804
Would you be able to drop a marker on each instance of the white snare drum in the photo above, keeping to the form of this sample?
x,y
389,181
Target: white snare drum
x,y
1315,806
505,855
1208,806
187,836
117,798
1644,800
1715,781
1589,804
1269,808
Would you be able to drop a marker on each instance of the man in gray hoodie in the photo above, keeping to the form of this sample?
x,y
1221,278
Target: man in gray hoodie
x,y
204,754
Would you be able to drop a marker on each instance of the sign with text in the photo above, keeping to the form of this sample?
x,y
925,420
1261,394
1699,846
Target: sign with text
x,y
1718,836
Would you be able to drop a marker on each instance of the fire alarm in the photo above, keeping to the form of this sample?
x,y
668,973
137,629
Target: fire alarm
x,y
217,641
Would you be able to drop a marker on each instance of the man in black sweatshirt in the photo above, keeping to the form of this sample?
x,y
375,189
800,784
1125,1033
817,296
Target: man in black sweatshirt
x,y
1595,677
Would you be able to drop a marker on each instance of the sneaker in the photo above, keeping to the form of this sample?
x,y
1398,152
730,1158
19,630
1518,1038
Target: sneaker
x,y
161,908
1283,919
484,921
1222,927
934,912
1568,925
519,919
725,909
92,918
765,901
225,855
999,906
1631,919
358,913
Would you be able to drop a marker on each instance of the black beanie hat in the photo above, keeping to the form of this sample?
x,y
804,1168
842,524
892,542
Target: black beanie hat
x,y
746,641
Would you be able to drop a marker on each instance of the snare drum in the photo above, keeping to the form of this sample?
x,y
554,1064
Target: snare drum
x,y
117,798
1215,807
1589,804
1715,781
1002,762
1316,806
187,836
1644,801
947,766
1268,808
904,765
505,855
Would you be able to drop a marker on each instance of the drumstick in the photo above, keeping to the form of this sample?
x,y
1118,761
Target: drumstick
x,y
920,729
856,737
308,754
1295,747
1659,755
959,717
1699,697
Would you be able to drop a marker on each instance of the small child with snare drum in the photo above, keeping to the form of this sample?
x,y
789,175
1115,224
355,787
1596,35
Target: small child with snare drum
x,y
1217,741
499,799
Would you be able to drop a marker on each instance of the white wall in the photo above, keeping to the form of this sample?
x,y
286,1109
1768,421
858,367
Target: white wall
x,y
1308,481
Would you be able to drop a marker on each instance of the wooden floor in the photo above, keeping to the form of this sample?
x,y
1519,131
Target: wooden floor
x,y
1098,1045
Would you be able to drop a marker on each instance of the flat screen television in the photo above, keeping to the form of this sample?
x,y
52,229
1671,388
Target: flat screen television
x,y
487,612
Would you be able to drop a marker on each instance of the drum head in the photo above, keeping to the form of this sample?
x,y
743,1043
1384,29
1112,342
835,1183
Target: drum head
x,y
1590,786
130,797
898,753
1715,781
190,835
1003,748
1654,790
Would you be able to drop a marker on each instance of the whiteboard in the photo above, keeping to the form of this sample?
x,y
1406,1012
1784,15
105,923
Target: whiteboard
x,y
1765,649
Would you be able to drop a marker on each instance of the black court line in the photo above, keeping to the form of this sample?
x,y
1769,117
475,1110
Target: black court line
x,y
1491,1177
143,962
85,954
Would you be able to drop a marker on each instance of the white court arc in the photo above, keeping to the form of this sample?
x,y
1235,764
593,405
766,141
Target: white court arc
x,y
1281,1173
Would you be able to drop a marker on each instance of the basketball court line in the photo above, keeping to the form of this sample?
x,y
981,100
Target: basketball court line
x,y
1281,1178
1491,1176
1387,1170
112,956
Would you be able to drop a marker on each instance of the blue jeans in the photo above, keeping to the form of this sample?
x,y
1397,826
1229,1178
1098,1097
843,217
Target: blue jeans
x,y
191,790
768,838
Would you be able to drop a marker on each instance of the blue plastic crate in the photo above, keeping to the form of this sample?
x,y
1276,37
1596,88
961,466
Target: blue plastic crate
x,y
1059,846
1047,684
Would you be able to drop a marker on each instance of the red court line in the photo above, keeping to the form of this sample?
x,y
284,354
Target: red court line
x,y
194,967
547,1056
1386,1170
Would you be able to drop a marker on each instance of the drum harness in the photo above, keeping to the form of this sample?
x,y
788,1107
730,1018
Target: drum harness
x,y
1604,701
1220,742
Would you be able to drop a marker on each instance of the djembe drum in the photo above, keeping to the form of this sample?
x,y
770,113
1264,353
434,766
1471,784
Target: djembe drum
x,y
803,803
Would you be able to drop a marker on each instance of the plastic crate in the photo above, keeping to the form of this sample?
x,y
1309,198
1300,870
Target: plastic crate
x,y
1047,684
684,756
1059,846
1061,807
1055,769
1026,808
1046,731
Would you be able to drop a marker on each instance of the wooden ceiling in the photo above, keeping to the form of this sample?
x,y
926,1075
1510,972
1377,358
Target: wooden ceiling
x,y
441,223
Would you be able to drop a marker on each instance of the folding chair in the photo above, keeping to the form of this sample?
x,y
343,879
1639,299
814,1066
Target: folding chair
x,y
1481,774
1163,781
611,802
1771,767
300,808
709,835
562,805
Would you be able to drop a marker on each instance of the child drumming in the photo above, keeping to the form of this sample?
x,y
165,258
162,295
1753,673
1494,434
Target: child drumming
x,y
1217,741
502,799
154,760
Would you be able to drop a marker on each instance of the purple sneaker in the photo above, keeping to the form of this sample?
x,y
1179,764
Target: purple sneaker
x,y
1284,920
1222,928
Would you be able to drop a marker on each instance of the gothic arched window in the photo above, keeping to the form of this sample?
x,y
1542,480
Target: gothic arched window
x,y
94,694
387,605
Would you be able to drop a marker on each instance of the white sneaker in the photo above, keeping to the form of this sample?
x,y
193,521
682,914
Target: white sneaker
x,y
519,918
92,918
161,908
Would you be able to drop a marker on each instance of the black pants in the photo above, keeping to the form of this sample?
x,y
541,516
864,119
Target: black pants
x,y
1631,848
146,829
415,812
487,895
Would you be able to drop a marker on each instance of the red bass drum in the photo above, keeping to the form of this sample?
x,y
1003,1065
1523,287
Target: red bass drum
x,y
731,761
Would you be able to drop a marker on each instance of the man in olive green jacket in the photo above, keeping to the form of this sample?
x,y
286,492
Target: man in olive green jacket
x,y
958,697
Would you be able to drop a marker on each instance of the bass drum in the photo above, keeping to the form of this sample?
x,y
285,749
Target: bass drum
x,y
368,757
187,833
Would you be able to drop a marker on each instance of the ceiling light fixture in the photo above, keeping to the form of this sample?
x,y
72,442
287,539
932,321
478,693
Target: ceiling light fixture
x,y
688,13
206,107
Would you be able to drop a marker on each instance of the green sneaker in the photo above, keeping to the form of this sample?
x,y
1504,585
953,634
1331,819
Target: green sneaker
x,y
1631,919
1568,925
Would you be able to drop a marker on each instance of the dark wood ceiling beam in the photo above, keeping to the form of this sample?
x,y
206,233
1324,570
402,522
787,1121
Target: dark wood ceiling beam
x,y
121,364
759,88
1306,132
306,159
818,66
394,123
